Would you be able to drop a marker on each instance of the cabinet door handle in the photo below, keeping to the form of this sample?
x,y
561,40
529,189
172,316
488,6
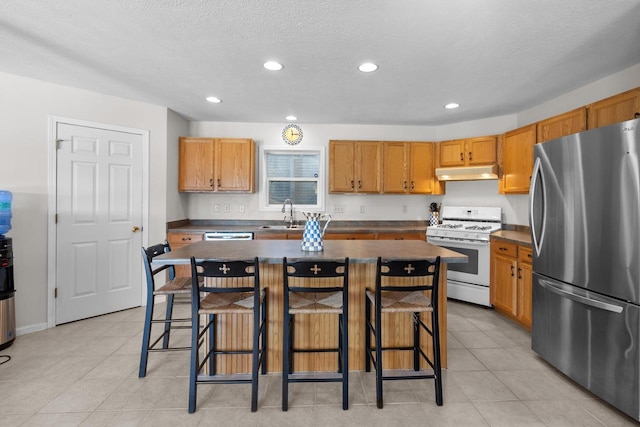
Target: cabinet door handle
x,y
512,272
184,239
412,185
404,185
462,157
502,248
359,184
470,155
352,185
219,183
211,182
519,273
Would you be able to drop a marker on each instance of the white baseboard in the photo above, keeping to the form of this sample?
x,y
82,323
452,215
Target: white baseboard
x,y
31,328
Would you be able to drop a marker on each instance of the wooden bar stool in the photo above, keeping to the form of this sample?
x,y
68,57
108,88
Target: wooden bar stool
x,y
175,286
404,286
316,287
226,291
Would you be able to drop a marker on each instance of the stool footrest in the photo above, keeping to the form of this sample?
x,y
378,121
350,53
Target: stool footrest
x,y
302,377
225,378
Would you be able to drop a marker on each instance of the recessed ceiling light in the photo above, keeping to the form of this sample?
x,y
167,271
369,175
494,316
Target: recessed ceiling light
x,y
451,106
368,67
214,99
291,118
272,66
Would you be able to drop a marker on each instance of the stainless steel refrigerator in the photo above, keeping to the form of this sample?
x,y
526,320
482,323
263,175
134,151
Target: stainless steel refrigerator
x,y
585,226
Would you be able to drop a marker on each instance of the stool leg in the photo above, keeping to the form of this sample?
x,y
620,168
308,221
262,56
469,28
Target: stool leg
x,y
416,341
367,335
436,356
345,361
256,358
167,325
212,343
193,371
340,348
264,335
144,353
285,361
378,338
290,348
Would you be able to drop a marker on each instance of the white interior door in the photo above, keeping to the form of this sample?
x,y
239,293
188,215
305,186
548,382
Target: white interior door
x,y
99,209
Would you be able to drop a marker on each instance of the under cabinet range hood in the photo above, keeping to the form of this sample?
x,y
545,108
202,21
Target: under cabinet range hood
x,y
467,173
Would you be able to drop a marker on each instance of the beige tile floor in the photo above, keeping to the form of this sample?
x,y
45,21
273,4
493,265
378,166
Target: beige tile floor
x,y
85,373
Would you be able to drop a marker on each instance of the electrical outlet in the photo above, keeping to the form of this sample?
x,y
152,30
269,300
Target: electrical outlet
x,y
241,208
226,208
361,208
216,208
338,209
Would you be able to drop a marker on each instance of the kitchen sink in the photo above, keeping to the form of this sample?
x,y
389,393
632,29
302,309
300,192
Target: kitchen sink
x,y
279,227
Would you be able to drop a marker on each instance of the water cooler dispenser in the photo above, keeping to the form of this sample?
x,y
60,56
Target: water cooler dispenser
x,y
7,290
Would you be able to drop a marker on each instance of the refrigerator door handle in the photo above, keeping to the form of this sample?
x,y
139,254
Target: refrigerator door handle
x,y
579,298
537,236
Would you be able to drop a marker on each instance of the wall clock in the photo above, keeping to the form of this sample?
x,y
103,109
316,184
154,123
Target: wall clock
x,y
292,134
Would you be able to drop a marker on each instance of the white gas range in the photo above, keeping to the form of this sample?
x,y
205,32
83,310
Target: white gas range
x,y
467,230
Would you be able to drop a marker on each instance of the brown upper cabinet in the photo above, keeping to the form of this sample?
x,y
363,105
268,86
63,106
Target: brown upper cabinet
x,y
217,164
517,162
408,168
354,166
562,125
468,152
617,108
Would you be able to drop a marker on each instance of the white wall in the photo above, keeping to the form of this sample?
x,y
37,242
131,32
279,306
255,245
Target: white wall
x,y
176,201
25,107
600,89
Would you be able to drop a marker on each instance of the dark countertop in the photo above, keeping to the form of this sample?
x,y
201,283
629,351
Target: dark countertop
x,y
520,237
202,226
272,251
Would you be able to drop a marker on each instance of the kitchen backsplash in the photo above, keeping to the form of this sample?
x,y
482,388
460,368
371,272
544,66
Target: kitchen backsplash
x,y
367,207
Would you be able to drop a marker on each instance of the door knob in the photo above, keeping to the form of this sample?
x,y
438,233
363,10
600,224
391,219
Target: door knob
x,y
135,229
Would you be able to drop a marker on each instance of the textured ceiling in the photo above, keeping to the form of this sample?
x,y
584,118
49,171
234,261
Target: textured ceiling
x,y
493,57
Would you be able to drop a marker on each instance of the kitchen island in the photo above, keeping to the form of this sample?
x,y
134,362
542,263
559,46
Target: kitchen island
x,y
316,330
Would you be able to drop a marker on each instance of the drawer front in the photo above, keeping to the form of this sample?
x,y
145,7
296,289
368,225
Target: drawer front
x,y
525,255
500,247
180,239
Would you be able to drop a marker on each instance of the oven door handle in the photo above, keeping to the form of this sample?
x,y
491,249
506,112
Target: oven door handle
x,y
448,242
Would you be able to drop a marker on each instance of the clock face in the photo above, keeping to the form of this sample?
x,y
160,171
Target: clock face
x,y
292,134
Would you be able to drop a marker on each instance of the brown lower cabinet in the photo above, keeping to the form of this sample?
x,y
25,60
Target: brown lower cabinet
x,y
511,279
178,240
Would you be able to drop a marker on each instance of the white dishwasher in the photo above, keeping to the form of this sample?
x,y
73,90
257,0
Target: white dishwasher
x,y
228,235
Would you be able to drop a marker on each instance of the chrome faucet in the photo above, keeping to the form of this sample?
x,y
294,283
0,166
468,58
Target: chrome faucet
x,y
284,205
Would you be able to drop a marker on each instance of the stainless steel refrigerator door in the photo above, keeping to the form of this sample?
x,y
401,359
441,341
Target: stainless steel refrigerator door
x,y
585,210
590,338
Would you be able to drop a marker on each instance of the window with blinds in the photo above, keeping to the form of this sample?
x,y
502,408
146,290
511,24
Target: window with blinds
x,y
293,174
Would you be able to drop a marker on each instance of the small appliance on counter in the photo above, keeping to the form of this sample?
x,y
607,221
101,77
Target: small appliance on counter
x,y
7,291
